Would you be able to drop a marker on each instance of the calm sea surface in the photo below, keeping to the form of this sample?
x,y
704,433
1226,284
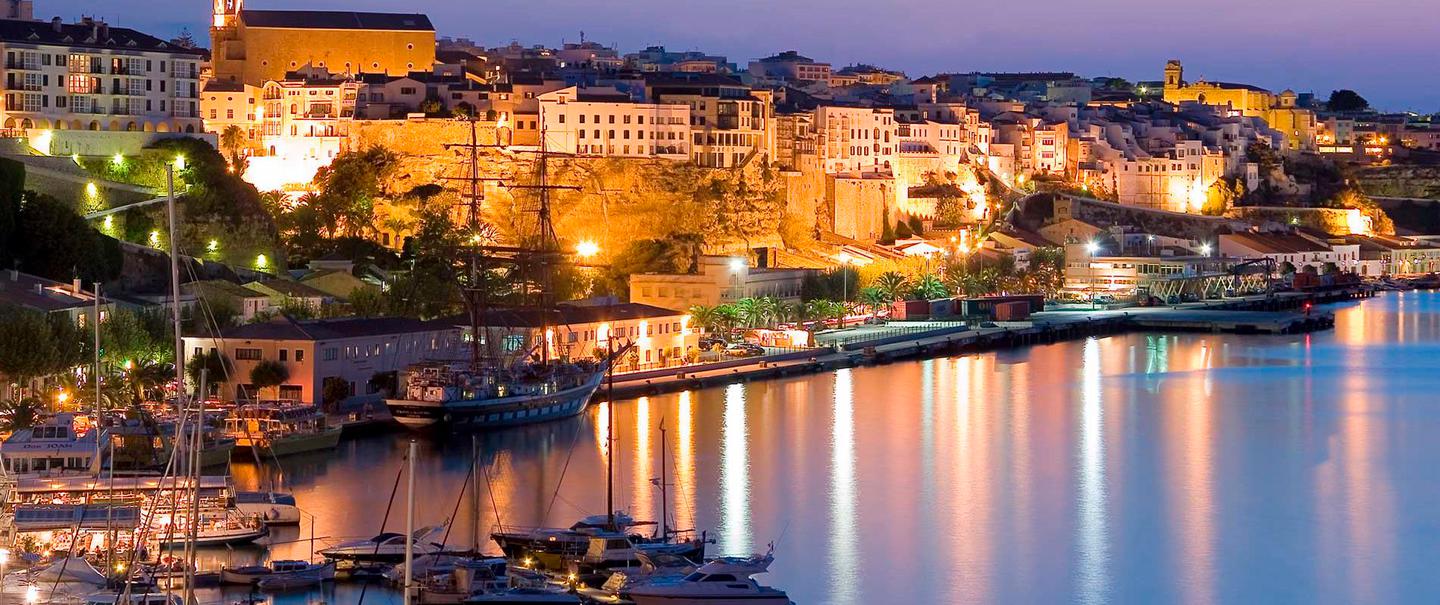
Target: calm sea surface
x,y
1189,468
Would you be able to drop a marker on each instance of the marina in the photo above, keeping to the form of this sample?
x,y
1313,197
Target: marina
x,y
715,487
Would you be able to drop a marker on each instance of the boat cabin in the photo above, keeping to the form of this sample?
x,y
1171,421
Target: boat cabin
x,y
51,449
274,418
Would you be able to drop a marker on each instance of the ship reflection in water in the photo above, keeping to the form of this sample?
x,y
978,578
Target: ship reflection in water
x,y
1189,468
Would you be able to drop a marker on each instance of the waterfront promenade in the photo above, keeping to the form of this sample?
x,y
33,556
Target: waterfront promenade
x,y
1279,313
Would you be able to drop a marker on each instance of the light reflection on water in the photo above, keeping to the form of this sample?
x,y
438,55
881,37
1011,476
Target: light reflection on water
x,y
1190,468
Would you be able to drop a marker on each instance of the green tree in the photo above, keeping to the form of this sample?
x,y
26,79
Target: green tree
x,y
1286,268
929,287
269,374
12,191
219,366
20,414
874,298
892,284
887,233
52,241
1346,100
367,302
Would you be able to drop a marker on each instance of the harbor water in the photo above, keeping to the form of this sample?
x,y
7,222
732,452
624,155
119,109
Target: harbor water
x,y
1175,468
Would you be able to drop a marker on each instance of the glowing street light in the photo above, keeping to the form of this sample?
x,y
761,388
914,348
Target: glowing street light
x,y
62,397
179,162
118,160
213,245
1205,249
587,249
737,264
1091,247
261,262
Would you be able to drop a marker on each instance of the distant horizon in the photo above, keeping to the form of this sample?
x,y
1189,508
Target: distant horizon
x,y
1303,45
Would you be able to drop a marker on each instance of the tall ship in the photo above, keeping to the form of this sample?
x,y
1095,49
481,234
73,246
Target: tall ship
x,y
526,384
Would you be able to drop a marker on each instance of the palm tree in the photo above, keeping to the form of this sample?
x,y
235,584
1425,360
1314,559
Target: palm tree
x,y
892,283
144,377
930,287
705,317
874,299
231,139
20,413
751,312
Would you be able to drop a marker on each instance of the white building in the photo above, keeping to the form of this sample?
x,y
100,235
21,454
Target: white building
x,y
856,139
606,123
343,353
1298,249
91,76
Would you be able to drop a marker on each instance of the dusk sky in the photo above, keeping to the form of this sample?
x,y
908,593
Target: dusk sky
x,y
1384,49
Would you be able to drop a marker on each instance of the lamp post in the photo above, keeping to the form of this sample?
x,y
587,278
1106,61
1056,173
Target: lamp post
x,y
844,287
1091,247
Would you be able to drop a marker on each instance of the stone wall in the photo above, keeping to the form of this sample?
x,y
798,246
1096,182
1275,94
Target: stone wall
x,y
860,205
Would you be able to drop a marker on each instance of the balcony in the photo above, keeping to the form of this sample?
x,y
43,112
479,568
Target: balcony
x,y
21,65
188,75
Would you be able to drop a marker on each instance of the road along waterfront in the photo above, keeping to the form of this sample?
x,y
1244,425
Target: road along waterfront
x,y
1133,467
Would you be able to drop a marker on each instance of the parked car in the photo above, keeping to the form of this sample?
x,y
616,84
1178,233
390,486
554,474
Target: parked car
x,y
709,343
744,349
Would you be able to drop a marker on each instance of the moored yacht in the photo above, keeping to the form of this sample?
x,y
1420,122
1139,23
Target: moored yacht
x,y
52,449
724,581
273,508
388,547
278,428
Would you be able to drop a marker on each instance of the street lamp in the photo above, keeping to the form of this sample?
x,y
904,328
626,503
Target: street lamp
x,y
1091,247
1205,249
844,287
587,249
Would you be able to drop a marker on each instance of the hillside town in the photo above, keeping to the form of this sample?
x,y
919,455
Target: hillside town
x,y
316,211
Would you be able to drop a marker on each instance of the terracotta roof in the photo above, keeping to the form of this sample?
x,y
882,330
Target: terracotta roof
x,y
336,20
86,35
285,328
19,289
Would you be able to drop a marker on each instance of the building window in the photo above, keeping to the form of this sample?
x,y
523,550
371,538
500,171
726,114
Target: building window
x,y
247,354
299,355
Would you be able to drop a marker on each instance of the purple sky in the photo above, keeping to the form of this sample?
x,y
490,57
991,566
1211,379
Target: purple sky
x,y
1382,48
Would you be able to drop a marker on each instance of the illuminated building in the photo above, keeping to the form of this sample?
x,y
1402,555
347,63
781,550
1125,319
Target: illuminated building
x,y
792,66
1279,111
92,76
1299,248
51,297
578,330
604,122
348,352
728,120
856,139
717,280
254,46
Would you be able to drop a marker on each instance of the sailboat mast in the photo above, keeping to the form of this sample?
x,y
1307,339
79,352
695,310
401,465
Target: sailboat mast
x,y
175,291
96,377
475,494
410,526
610,433
193,470
664,506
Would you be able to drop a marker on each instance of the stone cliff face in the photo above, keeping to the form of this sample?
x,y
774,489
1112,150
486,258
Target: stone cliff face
x,y
1401,181
611,201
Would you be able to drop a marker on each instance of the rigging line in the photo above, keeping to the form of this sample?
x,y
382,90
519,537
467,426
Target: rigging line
x,y
145,526
489,490
561,481
386,519
445,539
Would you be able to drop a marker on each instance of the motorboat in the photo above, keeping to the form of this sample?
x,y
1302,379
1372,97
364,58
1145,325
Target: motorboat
x,y
653,569
291,576
250,574
616,550
279,428
53,448
457,579
520,542
273,508
723,581
388,547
